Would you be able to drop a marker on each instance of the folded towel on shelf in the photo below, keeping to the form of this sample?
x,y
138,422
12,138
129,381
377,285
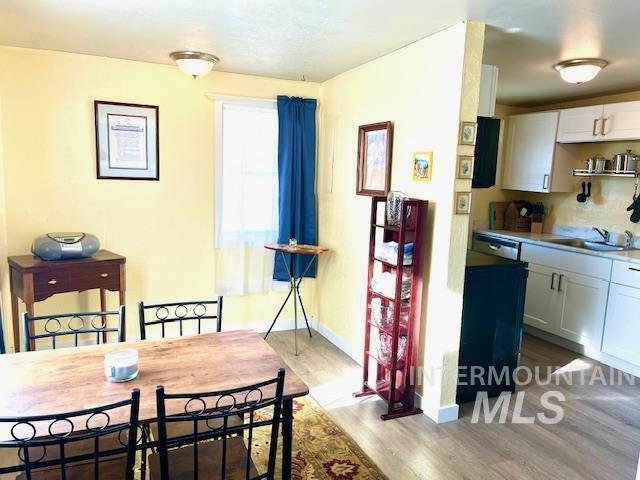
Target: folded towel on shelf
x,y
385,284
388,252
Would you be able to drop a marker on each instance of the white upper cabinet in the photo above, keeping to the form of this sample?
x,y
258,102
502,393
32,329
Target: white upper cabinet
x,y
600,123
580,124
488,90
533,161
621,121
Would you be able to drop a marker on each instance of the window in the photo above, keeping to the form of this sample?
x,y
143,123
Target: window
x,y
246,172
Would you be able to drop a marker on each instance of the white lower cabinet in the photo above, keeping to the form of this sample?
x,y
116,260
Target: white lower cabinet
x,y
622,326
542,304
584,307
598,308
567,304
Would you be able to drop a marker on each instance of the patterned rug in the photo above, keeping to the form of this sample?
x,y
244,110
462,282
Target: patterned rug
x,y
321,449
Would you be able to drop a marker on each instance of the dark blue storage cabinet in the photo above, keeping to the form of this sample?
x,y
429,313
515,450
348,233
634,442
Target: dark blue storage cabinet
x,y
492,318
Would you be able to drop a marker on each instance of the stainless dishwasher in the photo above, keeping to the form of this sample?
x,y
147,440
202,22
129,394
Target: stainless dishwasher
x,y
497,246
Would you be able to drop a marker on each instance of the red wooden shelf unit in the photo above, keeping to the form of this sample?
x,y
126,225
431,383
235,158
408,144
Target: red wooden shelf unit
x,y
392,326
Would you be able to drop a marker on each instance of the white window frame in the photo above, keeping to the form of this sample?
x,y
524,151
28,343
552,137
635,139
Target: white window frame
x,y
220,102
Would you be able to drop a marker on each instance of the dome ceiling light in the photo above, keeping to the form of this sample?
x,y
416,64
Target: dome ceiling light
x,y
195,64
580,70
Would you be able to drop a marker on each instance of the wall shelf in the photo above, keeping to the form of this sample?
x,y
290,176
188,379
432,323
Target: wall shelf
x,y
605,173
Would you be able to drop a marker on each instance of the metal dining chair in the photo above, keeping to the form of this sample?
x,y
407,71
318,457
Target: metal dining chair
x,y
2,345
213,452
180,314
86,327
74,445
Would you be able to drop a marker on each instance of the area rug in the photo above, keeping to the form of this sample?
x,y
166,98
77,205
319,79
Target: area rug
x,y
321,449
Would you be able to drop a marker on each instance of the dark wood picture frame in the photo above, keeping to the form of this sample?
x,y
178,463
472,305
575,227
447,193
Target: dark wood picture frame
x,y
156,110
363,130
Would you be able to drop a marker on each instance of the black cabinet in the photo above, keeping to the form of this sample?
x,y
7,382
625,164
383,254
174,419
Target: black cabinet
x,y
492,318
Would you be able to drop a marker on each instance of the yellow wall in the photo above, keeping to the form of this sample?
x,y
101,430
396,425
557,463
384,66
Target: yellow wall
x,y
419,88
3,231
165,228
610,196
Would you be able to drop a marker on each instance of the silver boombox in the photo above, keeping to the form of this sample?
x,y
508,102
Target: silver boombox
x,y
65,245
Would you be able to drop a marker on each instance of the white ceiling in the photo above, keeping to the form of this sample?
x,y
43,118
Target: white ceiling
x,y
319,39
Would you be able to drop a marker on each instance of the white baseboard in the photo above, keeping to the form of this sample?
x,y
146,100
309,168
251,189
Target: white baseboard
x,y
281,325
445,414
601,357
327,333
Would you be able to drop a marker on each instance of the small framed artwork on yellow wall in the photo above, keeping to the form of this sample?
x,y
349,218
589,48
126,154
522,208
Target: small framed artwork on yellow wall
x,y
463,203
422,166
468,133
465,167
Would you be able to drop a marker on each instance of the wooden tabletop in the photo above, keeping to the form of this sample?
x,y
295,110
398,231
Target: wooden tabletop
x,y
56,381
32,262
300,249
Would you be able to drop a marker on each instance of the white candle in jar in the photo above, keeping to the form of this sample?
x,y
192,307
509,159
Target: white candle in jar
x,y
121,365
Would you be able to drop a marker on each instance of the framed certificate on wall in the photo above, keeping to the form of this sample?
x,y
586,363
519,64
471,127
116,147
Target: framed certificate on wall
x,y
127,141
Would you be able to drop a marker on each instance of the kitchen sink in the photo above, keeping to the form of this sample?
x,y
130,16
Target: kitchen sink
x,y
588,245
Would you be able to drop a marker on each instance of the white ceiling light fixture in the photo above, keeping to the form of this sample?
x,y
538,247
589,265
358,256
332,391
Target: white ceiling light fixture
x,y
195,64
580,70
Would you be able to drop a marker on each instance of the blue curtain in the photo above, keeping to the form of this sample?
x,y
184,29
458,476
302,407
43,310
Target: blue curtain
x,y
296,180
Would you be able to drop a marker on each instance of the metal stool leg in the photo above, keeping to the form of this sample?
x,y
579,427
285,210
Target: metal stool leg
x,y
292,280
295,316
278,314
298,292
306,320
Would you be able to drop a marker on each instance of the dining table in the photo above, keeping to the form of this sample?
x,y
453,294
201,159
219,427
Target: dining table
x,y
70,379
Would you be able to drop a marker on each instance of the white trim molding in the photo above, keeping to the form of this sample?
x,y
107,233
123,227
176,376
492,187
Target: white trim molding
x,y
449,413
445,414
354,353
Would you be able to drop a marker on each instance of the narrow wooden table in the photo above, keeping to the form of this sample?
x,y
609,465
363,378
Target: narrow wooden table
x,y
33,280
295,279
56,381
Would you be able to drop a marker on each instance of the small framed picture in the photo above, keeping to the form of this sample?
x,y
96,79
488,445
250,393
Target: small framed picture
x,y
468,133
463,203
375,144
465,167
422,166
126,141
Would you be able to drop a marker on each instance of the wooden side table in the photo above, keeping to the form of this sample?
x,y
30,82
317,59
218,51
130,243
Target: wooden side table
x,y
295,279
33,280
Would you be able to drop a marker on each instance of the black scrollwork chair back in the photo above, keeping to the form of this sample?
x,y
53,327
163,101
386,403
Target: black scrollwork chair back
x,y
180,318
74,329
97,443
2,346
223,451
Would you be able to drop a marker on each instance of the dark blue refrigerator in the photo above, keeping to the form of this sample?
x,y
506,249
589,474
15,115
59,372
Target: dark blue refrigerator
x,y
492,319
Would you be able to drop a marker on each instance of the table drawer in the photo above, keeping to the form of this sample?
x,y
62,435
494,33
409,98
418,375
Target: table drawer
x,y
625,273
46,283
94,276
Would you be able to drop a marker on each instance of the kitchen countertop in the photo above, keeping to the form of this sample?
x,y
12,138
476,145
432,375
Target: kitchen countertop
x,y
543,239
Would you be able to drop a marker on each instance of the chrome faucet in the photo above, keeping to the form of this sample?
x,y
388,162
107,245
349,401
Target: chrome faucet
x,y
603,233
630,239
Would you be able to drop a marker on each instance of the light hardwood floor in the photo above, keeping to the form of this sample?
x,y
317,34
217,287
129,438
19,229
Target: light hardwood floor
x,y
599,437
